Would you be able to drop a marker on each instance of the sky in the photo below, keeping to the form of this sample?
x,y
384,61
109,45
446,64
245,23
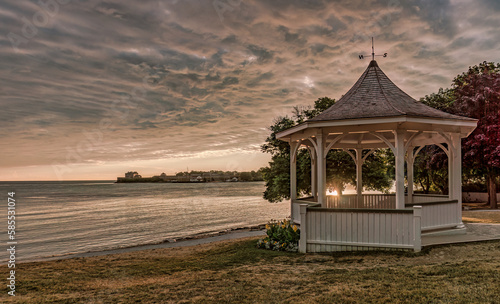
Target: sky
x,y
92,89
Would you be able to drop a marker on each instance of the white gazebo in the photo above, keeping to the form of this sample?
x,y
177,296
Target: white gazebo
x,y
375,114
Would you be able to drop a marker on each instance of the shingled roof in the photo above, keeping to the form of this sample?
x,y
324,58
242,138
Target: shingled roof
x,y
374,95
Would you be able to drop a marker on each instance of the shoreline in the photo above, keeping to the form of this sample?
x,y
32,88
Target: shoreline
x,y
199,239
191,240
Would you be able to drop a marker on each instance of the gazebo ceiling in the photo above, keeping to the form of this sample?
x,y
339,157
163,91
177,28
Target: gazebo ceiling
x,y
373,140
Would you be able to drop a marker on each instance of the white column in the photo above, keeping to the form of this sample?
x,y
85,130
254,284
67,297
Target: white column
x,y
409,164
293,171
359,176
417,228
450,171
400,169
303,227
321,161
314,182
457,171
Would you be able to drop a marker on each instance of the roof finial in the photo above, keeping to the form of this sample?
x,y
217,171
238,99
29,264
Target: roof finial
x,y
373,53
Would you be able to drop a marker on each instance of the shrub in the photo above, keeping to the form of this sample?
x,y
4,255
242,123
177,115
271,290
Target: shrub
x,y
281,236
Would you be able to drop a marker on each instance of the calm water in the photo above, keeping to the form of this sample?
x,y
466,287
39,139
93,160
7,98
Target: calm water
x,y
58,218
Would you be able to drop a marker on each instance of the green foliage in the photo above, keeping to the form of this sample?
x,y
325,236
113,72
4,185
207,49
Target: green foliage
x,y
431,170
474,93
340,170
378,169
478,96
273,145
277,174
431,164
302,114
277,177
251,176
484,68
281,236
442,100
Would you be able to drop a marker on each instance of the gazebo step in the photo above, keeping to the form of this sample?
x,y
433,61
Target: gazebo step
x,y
445,231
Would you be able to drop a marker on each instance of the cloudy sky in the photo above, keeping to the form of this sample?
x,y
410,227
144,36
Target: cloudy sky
x,y
91,89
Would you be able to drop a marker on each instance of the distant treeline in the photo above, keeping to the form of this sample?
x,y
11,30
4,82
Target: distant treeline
x,y
194,177
251,176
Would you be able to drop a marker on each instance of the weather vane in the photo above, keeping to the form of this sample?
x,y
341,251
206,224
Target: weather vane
x,y
373,53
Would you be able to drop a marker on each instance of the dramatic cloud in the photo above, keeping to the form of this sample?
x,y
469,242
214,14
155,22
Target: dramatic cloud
x,y
94,88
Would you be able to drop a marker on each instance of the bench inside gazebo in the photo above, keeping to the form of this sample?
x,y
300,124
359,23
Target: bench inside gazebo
x,y
376,114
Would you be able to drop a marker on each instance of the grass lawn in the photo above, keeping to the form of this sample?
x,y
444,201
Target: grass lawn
x,y
237,272
487,217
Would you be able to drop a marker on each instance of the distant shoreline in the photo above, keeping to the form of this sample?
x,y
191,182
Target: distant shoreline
x,y
151,180
192,177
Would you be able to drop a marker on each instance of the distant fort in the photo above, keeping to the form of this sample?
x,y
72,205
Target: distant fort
x,y
192,177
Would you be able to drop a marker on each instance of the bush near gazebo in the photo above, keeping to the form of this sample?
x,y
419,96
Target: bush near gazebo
x,y
281,236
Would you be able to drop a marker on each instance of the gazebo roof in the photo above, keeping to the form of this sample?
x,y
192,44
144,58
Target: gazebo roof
x,y
374,95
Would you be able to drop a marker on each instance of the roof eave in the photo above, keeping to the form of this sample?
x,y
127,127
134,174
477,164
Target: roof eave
x,y
283,134
470,123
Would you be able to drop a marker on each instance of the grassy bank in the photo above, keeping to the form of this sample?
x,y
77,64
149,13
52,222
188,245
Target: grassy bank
x,y
237,272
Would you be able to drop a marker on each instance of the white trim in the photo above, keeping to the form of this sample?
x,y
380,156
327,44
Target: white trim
x,y
368,154
334,141
352,156
295,149
412,137
399,155
360,244
447,151
387,142
472,123
446,139
312,142
416,152
312,153
292,130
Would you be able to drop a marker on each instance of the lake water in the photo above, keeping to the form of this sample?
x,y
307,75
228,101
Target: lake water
x,y
59,218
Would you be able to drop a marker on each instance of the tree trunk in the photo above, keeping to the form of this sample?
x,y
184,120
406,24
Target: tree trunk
x,y
338,186
492,192
427,184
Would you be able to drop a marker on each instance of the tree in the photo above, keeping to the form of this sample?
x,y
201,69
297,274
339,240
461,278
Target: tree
x,y
431,164
378,169
245,176
443,100
430,170
478,96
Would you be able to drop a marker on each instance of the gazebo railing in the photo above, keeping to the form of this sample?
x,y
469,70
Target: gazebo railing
x,y
371,201
329,229
346,225
425,198
378,201
351,229
439,214
295,212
